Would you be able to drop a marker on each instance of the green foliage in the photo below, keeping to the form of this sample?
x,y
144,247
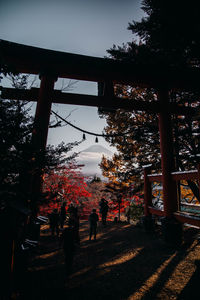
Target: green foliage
x,y
138,143
19,160
168,34
15,129
95,179
168,37
136,211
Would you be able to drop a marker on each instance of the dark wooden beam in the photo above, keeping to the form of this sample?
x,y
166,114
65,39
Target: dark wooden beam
x,y
188,219
155,177
33,60
176,176
147,192
189,175
181,217
155,211
97,101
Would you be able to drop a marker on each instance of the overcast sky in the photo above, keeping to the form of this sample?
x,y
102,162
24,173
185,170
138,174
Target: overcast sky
x,y
86,27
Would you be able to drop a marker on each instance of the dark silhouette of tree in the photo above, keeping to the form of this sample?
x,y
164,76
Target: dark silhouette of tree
x,y
18,160
18,163
168,37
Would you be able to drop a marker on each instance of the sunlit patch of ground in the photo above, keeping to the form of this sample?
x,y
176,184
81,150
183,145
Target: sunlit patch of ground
x,y
121,259
151,280
124,263
183,271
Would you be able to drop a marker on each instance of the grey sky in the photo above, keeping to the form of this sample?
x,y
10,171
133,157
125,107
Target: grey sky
x,y
86,27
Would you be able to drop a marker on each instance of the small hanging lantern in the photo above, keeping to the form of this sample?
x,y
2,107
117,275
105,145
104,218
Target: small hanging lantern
x,y
84,137
96,140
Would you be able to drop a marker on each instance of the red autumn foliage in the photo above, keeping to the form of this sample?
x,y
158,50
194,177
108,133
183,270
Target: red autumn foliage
x,y
65,184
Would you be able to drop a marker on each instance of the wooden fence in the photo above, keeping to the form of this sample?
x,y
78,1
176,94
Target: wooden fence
x,y
182,217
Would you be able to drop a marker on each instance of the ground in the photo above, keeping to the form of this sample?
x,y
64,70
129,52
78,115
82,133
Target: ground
x,y
124,263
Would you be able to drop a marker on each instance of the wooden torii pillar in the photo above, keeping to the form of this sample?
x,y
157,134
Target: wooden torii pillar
x,y
31,60
167,158
40,132
43,110
172,230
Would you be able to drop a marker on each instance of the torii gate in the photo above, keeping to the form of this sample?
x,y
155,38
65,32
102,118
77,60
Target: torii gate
x,y
53,64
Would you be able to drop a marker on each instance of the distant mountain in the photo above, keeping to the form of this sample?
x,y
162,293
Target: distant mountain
x,y
91,158
98,149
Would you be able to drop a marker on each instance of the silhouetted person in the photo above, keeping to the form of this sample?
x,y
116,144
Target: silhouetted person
x,y
128,214
68,242
103,210
54,222
74,222
71,209
93,220
62,214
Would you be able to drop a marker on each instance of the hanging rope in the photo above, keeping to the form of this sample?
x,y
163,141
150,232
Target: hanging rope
x,y
88,132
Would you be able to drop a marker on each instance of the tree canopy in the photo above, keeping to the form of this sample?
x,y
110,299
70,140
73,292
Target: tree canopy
x,y
168,36
19,160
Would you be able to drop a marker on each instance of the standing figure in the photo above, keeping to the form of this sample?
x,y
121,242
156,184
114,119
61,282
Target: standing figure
x,y
93,219
68,242
75,222
103,210
62,214
54,221
71,209
128,214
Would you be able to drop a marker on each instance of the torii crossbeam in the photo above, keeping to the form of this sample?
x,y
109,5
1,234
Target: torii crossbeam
x,y
52,64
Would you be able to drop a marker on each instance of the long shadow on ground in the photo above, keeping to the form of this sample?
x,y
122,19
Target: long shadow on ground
x,y
124,263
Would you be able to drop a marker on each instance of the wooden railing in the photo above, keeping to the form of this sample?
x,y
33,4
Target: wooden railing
x,y
182,217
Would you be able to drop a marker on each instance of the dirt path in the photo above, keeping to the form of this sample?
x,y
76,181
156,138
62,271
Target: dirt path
x,y
124,263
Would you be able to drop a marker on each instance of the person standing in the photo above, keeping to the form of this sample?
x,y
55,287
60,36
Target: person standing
x,y
128,214
103,210
62,214
74,222
54,222
93,220
67,240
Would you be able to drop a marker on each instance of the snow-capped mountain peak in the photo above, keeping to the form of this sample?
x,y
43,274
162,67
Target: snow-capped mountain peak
x,y
91,158
98,149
